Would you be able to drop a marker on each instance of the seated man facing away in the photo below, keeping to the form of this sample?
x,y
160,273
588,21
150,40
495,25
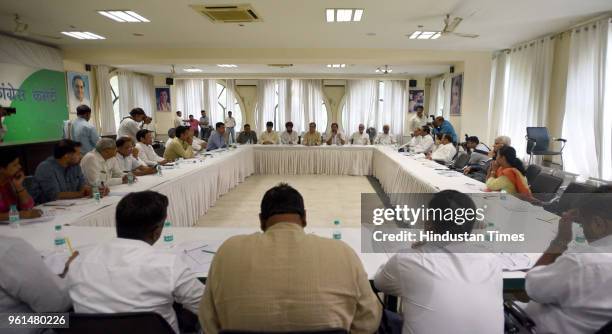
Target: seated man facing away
x,y
312,137
128,274
127,158
146,152
445,152
171,136
478,151
26,283
481,170
12,191
285,279
180,146
289,137
60,176
269,137
335,137
446,287
360,137
196,143
247,136
217,138
385,138
570,289
100,168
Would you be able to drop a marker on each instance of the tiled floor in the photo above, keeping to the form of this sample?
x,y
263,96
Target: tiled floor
x,y
326,198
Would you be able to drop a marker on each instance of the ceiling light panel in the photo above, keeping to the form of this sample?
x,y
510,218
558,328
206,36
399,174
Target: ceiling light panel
x,y
425,35
227,65
343,14
82,35
192,70
123,16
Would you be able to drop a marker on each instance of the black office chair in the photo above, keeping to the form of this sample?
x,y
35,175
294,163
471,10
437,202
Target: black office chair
x,y
371,131
606,329
323,331
569,197
545,186
531,172
461,159
117,323
538,143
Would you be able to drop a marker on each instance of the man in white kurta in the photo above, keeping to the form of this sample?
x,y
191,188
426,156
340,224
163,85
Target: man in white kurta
x,y
385,138
360,137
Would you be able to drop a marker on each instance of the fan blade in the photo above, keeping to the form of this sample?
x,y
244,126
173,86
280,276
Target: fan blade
x,y
453,25
465,35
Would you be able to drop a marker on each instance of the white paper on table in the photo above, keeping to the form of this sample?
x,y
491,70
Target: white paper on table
x,y
42,219
198,254
56,261
61,203
515,262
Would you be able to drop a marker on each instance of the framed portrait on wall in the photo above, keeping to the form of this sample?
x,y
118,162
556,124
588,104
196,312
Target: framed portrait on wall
x,y
456,95
162,99
79,90
416,98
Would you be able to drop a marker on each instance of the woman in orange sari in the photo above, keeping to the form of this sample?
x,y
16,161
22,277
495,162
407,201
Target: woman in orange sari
x,y
508,173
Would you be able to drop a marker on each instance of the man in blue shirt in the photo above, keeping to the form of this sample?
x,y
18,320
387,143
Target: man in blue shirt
x,y
60,176
442,126
216,139
81,130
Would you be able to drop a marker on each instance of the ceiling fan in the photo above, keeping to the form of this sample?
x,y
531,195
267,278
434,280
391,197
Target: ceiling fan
x,y
386,69
22,29
450,26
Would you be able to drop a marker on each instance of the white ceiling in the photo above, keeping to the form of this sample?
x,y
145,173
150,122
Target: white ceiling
x,y
289,24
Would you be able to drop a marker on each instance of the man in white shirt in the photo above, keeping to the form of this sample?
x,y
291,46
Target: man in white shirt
x,y
445,152
269,137
130,125
289,137
446,287
418,120
100,166
360,137
479,152
128,274
421,142
230,124
178,119
385,138
570,288
335,137
146,153
127,158
147,124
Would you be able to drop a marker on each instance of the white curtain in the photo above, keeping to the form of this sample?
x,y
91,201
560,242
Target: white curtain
x,y
190,97
135,90
104,100
587,124
283,113
361,104
496,94
395,107
306,104
211,101
527,86
266,90
231,99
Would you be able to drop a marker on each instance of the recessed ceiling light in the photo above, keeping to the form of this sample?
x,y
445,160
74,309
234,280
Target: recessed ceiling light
x,y
343,14
425,35
123,16
82,35
192,70
227,65
336,65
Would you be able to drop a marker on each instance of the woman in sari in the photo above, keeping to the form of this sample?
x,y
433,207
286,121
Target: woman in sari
x,y
508,173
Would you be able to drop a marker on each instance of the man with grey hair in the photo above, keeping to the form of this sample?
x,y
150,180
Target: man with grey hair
x,y
479,171
100,167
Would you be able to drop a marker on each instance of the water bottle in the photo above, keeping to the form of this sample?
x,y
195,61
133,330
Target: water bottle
x,y
59,240
578,233
130,178
159,170
168,236
337,234
502,195
95,192
14,216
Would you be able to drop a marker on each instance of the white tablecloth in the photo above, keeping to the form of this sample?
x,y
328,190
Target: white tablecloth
x,y
326,160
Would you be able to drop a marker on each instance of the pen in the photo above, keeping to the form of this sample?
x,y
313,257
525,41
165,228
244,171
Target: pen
x,y
69,245
207,251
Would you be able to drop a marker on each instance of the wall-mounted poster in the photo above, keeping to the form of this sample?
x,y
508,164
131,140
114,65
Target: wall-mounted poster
x,y
162,98
456,94
416,98
78,90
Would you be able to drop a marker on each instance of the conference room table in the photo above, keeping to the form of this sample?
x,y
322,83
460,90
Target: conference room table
x,y
196,185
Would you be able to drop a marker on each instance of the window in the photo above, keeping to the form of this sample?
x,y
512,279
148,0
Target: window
x,y
222,97
114,83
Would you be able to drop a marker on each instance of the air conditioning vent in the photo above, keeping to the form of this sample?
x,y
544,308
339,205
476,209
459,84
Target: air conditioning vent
x,y
228,14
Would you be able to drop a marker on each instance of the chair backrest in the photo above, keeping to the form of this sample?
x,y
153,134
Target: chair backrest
x,y
323,331
540,136
117,323
606,329
531,173
545,186
573,193
461,160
